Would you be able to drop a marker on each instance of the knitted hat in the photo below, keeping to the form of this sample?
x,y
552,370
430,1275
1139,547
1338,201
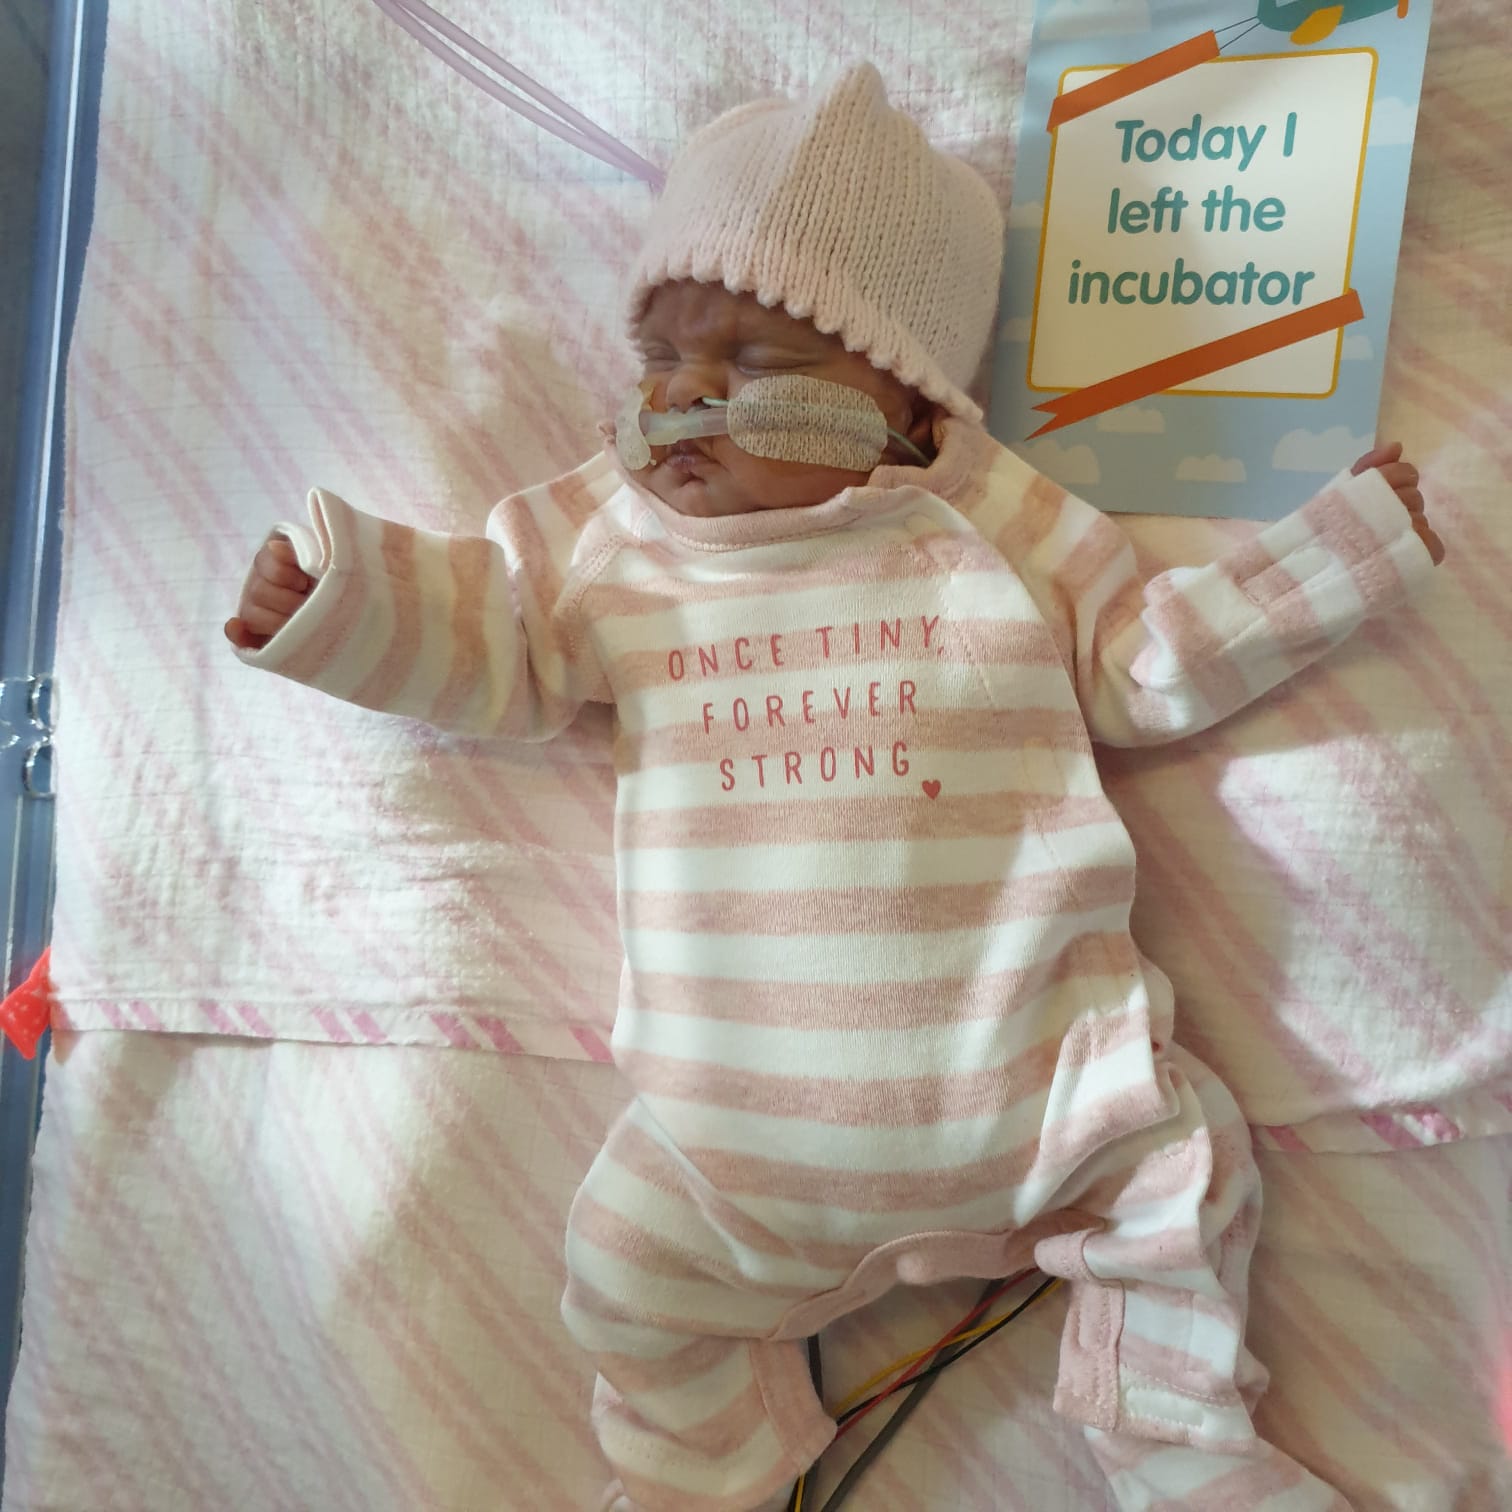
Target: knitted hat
x,y
837,209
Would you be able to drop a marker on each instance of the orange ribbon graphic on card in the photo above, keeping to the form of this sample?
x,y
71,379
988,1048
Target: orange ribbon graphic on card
x,y
1131,77
1197,362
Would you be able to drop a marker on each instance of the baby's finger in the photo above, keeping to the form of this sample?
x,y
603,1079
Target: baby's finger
x,y
262,620
265,595
1429,537
1400,475
1381,456
243,638
277,563
1412,499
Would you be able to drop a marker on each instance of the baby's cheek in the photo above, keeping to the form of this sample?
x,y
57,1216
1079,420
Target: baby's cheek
x,y
792,485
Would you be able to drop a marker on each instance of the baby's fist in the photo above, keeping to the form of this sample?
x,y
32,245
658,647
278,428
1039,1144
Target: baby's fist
x,y
1403,478
274,589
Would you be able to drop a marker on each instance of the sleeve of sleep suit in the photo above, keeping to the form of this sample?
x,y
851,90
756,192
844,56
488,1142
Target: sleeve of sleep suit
x,y
475,634
1159,659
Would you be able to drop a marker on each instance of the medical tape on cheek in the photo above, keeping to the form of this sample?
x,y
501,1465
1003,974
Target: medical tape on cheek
x,y
788,418
794,418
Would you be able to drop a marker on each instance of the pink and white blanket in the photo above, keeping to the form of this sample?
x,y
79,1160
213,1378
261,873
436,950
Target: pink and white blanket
x,y
320,257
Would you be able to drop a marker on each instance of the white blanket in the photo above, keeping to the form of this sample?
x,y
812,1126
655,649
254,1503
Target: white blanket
x,y
321,257
274,1277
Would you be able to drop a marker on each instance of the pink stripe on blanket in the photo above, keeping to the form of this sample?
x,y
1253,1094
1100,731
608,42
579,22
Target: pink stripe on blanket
x,y
497,1034
456,1032
254,1020
220,1019
592,1044
334,1028
369,1028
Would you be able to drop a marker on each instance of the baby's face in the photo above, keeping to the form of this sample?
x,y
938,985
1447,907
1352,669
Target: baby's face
x,y
700,341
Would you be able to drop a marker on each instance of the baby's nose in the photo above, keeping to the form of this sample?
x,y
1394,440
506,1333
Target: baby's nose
x,y
692,382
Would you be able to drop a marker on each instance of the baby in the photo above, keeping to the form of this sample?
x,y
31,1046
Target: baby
x,y
881,1015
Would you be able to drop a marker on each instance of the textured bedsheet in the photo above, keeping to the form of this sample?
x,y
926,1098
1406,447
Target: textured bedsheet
x,y
281,1277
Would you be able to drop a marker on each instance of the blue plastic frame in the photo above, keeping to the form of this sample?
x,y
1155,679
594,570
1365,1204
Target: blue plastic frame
x,y
31,570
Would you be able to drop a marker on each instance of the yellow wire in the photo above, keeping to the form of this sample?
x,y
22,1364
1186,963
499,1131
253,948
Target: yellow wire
x,y
895,1368
900,1365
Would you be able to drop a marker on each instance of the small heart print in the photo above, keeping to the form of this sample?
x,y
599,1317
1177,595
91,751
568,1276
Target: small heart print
x,y
931,789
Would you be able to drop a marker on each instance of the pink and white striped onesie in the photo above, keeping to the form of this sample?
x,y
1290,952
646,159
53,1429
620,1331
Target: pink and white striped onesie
x,y
881,1013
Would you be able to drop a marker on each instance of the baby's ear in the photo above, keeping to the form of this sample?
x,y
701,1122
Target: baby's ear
x,y
921,426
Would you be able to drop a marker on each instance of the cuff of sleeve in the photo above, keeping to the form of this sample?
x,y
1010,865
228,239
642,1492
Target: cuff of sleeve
x,y
1354,539
309,549
1305,582
1374,500
325,551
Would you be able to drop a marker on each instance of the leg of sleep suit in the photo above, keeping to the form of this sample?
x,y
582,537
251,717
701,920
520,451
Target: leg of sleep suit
x,y
696,1407
1153,1360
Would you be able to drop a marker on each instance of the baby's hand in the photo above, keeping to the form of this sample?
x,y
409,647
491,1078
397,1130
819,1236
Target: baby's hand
x,y
275,588
1403,477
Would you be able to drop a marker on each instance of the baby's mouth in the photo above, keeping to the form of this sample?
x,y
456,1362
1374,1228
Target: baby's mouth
x,y
687,456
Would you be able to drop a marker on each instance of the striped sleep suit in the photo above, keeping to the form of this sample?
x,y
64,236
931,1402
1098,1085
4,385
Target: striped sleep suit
x,y
881,1014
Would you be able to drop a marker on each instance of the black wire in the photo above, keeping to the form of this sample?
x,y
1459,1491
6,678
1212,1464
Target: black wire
x,y
816,1375
908,1402
965,1349
909,1399
917,1389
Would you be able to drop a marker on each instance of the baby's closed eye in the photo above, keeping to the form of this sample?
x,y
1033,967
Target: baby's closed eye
x,y
760,360
657,359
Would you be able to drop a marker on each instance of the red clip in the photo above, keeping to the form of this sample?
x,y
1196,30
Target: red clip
x,y
26,1013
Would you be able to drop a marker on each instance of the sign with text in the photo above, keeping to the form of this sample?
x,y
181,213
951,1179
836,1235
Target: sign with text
x,y
1195,312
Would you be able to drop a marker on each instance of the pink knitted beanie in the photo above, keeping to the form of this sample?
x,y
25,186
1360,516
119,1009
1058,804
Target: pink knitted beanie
x,y
837,209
